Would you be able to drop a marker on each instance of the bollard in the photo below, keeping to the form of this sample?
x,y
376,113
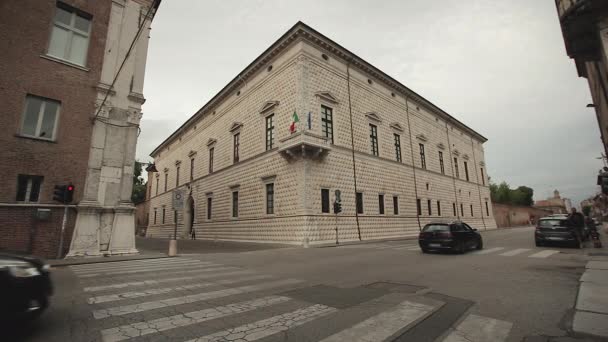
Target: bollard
x,y
172,248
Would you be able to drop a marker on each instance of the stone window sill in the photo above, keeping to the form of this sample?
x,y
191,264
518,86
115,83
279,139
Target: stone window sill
x,y
34,138
64,62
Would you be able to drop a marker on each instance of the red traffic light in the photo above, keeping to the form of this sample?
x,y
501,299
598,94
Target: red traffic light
x,y
70,187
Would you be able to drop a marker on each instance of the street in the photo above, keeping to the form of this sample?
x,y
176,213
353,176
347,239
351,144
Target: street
x,y
509,291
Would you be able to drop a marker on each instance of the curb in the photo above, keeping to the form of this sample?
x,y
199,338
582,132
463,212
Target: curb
x,y
71,262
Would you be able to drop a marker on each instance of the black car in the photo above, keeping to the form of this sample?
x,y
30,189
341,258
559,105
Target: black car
x,y
25,287
449,236
556,230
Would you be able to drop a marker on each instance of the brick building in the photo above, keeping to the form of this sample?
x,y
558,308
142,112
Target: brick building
x,y
398,160
55,67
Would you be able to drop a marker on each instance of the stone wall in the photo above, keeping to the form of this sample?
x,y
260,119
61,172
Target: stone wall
x,y
513,216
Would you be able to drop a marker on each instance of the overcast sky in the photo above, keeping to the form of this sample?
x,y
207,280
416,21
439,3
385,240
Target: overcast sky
x,y
498,66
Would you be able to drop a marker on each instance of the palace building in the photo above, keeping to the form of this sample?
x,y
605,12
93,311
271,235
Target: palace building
x,y
262,160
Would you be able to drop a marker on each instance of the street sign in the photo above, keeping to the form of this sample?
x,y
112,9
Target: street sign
x,y
178,199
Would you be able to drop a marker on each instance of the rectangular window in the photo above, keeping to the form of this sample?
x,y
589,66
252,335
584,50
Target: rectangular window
x,y
209,207
270,198
28,188
422,156
155,215
466,170
236,146
211,159
483,178
373,135
395,205
438,208
325,200
419,207
456,167
359,203
327,123
40,118
441,162
461,210
471,210
428,205
70,34
398,147
381,204
269,132
164,212
157,184
177,176
235,204
166,180
191,169
487,209
454,206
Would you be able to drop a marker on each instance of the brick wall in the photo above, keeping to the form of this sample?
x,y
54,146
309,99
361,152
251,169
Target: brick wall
x,y
513,216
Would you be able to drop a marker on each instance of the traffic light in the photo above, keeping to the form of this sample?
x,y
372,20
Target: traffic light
x,y
63,193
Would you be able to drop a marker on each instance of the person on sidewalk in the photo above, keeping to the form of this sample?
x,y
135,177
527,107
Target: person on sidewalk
x,y
577,221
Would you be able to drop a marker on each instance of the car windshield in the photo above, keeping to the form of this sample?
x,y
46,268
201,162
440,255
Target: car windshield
x,y
552,223
436,228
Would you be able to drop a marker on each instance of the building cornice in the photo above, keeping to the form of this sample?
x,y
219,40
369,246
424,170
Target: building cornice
x,y
299,32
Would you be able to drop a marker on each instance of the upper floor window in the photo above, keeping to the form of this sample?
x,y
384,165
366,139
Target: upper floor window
x,y
164,215
471,210
395,205
487,209
438,208
211,159
70,34
466,170
269,132
155,214
398,147
381,204
422,156
359,202
191,169
209,207
428,205
157,179
177,176
327,123
461,210
235,204
483,178
270,198
418,207
374,138
456,167
237,144
441,162
28,188
454,207
166,180
40,118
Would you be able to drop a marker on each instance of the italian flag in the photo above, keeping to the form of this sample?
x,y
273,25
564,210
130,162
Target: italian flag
x,y
294,120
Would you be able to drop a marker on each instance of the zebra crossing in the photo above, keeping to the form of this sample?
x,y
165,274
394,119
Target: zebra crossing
x,y
184,299
501,251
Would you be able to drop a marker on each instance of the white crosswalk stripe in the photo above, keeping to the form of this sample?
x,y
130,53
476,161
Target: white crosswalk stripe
x,y
476,328
488,251
172,261
544,254
145,269
515,252
383,325
270,326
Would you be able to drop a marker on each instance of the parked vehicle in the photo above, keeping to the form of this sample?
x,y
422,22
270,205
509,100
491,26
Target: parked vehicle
x,y
556,230
25,285
449,236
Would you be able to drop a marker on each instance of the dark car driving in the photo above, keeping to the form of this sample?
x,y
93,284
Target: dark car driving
x,y
25,286
556,230
449,236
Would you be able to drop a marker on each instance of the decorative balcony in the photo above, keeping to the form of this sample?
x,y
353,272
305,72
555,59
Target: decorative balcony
x,y
304,144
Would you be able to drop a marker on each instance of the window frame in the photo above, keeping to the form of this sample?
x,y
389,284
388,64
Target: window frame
x,y
373,135
466,170
269,187
398,155
155,215
71,31
461,210
209,208
236,143
191,169
166,180
472,215
483,178
157,184
325,201
164,215
359,202
429,207
235,203
487,209
455,210
381,210
40,118
269,131
177,169
418,206
395,205
456,171
422,156
211,152
438,208
327,123
33,188
441,165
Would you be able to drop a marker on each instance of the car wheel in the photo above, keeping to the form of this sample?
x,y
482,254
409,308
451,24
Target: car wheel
x,y
424,250
479,244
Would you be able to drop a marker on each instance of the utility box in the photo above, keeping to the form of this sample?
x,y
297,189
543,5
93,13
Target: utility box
x,y
43,214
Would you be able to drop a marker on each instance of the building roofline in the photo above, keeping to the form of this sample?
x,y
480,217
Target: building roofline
x,y
297,31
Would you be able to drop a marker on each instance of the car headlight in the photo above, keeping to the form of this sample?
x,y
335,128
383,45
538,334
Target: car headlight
x,y
22,269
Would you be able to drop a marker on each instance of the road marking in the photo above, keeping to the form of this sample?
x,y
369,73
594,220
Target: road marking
x,y
167,280
131,262
137,266
167,274
480,329
488,251
270,326
128,331
543,254
414,248
148,269
128,309
384,325
515,252
157,291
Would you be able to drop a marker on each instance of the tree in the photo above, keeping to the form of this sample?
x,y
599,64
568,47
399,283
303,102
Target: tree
x,y
138,194
587,210
502,193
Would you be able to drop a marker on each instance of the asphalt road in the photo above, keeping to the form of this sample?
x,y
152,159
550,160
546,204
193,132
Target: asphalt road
x,y
510,291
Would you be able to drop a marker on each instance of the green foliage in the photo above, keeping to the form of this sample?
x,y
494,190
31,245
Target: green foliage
x,y
502,193
139,186
587,210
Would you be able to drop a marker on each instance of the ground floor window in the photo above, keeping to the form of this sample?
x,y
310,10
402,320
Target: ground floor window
x,y
487,210
438,208
270,198
325,200
235,204
454,207
419,206
461,210
28,188
395,205
381,204
164,212
471,210
428,206
359,203
209,206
